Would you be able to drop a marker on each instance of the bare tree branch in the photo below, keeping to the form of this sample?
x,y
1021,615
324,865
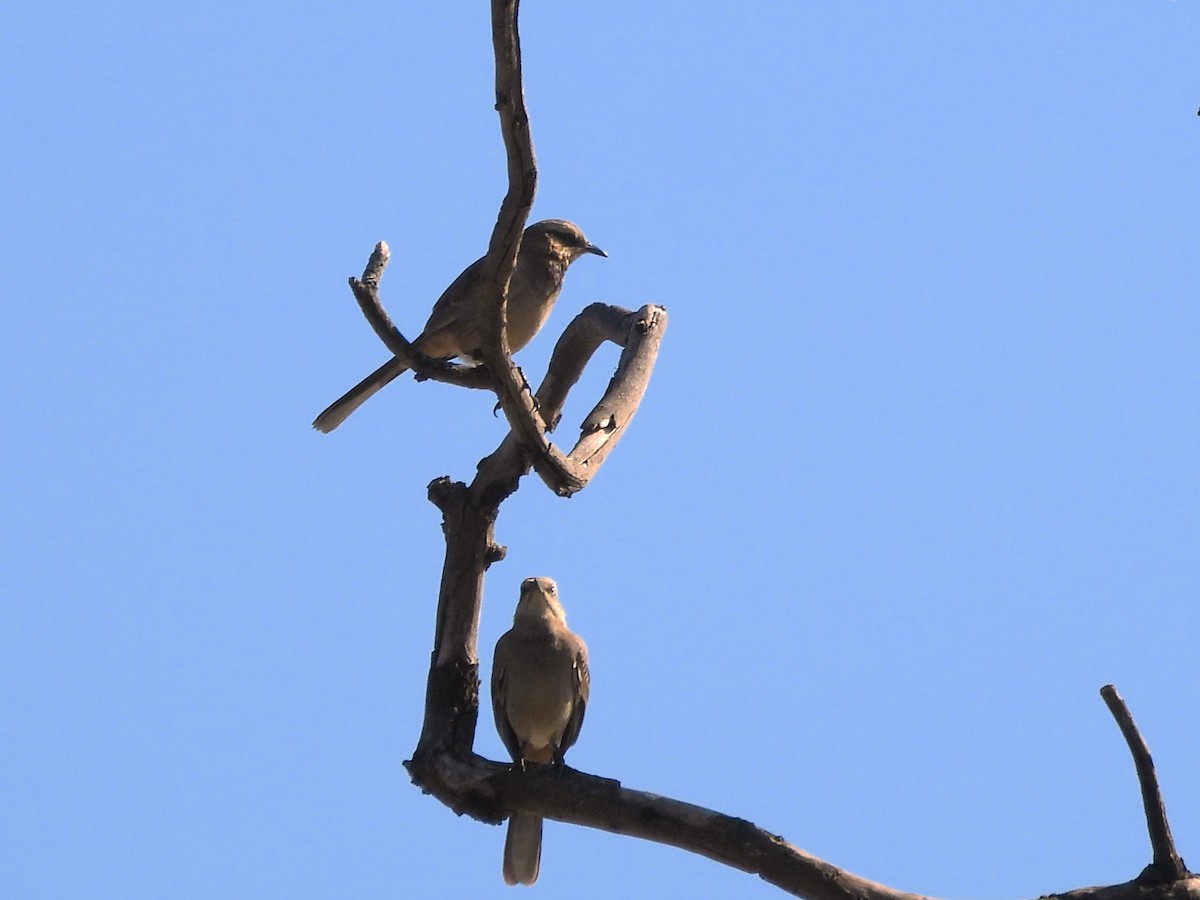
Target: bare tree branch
x,y
484,790
518,404
469,515
452,689
1166,865
1183,889
605,425
518,147
502,252
639,334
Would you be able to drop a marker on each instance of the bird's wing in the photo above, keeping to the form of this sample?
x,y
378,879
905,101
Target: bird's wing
x,y
446,323
582,689
499,687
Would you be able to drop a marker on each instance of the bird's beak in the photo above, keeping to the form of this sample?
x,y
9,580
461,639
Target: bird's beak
x,y
592,248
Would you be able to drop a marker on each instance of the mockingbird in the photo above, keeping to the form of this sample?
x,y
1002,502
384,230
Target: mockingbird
x,y
539,692
455,326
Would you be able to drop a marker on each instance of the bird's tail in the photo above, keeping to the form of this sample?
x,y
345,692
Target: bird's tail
x,y
337,412
522,849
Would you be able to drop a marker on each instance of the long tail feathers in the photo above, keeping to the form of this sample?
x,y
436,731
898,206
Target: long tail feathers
x,y
341,408
523,849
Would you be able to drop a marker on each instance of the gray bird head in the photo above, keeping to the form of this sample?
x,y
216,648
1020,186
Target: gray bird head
x,y
539,600
562,236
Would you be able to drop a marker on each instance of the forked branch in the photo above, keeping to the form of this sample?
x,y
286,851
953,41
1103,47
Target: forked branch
x,y
639,335
469,514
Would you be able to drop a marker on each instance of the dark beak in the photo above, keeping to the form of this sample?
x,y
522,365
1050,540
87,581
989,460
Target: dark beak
x,y
592,248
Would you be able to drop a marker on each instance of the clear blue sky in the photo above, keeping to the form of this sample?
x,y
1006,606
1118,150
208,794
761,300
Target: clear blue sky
x,y
916,475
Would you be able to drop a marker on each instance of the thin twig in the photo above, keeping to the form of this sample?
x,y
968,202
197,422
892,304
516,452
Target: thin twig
x,y
1167,865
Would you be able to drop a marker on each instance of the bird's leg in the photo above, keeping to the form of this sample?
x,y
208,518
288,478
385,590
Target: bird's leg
x,y
559,762
525,386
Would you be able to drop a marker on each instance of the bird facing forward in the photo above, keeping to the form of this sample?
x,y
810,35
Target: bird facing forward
x,y
456,324
540,686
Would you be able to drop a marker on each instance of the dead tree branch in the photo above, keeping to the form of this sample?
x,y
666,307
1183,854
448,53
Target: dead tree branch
x,y
639,334
469,514
1166,866
513,393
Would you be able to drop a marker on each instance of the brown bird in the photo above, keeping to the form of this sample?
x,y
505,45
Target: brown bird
x,y
455,326
540,685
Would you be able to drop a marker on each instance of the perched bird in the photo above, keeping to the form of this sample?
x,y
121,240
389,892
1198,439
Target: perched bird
x,y
540,687
455,326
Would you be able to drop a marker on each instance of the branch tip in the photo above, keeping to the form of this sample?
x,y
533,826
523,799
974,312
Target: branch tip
x,y
378,261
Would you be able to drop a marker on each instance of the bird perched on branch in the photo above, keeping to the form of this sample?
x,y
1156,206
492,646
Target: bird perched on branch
x,y
540,686
455,326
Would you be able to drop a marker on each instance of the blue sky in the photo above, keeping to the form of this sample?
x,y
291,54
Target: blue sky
x,y
916,476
